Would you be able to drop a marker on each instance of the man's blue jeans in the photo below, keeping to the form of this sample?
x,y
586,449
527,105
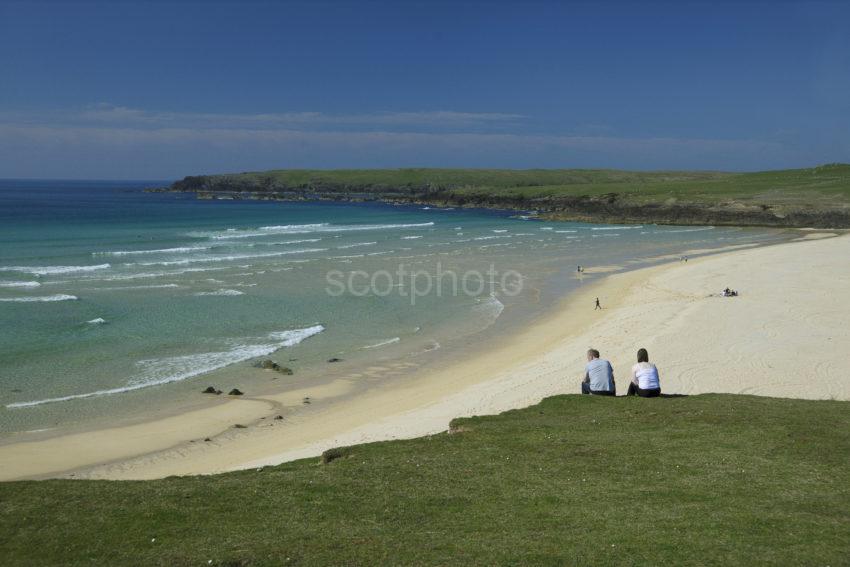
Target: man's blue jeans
x,y
585,389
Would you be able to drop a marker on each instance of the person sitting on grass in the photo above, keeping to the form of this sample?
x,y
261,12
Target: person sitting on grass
x,y
644,377
598,376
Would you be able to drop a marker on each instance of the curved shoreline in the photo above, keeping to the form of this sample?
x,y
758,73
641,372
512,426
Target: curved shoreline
x,y
663,302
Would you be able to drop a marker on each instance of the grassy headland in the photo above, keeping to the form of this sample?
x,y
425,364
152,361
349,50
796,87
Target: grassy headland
x,y
575,480
816,197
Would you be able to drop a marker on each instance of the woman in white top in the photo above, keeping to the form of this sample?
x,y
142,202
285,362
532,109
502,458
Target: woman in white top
x,y
644,377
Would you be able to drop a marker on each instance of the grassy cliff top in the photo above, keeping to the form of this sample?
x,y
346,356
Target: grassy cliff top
x,y
824,185
575,480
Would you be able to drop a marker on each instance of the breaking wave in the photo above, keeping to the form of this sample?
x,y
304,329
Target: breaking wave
x,y
224,292
160,371
232,233
176,250
698,229
19,284
617,227
49,270
230,258
57,297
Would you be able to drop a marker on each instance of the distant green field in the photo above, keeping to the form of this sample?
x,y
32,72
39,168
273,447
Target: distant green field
x,y
576,480
819,186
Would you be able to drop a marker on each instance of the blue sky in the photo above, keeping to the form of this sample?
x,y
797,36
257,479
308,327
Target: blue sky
x,y
158,90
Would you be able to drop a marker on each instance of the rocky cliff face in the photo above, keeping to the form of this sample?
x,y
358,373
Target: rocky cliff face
x,y
610,208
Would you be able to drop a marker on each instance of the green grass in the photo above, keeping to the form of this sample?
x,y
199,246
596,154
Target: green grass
x,y
576,480
824,186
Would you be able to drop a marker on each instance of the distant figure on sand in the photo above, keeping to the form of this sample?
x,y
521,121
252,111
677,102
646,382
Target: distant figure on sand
x,y
598,305
579,270
644,377
598,376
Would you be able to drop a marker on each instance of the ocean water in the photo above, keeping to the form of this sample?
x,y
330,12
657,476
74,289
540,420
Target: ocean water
x,y
115,302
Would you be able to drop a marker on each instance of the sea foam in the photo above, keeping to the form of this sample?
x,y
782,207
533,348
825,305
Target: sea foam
x,y
49,270
231,258
224,292
616,227
57,297
301,229
383,343
698,229
20,284
176,250
136,287
147,275
283,243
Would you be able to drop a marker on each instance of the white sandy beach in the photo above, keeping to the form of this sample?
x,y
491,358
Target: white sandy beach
x,y
786,335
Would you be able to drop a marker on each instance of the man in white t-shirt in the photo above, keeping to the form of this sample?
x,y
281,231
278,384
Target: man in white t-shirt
x,y
598,376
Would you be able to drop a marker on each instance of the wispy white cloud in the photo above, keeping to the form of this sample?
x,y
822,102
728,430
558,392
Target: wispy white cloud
x,y
33,150
105,114
109,141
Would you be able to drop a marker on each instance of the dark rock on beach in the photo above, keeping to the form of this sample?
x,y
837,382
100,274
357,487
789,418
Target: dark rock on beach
x,y
334,359
211,390
235,392
272,365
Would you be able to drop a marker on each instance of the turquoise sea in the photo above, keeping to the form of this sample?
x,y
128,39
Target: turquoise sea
x,y
118,303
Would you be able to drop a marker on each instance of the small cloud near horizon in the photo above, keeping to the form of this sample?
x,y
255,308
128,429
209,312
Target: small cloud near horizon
x,y
111,141
107,113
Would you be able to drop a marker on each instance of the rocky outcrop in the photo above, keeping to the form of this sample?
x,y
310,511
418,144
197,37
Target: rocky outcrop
x,y
268,364
331,455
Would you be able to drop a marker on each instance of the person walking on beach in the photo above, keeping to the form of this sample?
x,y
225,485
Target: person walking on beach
x,y
598,376
598,305
645,381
